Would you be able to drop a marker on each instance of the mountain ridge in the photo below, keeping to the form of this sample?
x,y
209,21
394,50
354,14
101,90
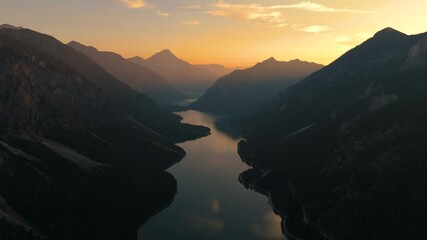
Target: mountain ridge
x,y
138,77
342,138
78,148
245,91
190,79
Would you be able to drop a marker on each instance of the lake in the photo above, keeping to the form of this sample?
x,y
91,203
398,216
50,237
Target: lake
x,y
210,202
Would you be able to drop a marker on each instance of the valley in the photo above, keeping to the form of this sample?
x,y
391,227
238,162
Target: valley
x,y
210,202
100,145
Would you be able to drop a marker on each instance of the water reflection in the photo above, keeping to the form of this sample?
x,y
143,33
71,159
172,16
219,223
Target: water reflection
x,y
215,206
206,224
211,203
267,227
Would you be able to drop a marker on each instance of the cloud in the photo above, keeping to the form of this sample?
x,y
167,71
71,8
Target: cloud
x,y
192,6
346,40
272,14
342,39
133,3
190,22
273,17
163,14
315,7
315,29
246,12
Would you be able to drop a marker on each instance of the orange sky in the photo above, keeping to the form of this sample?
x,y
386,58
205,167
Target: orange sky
x,y
232,32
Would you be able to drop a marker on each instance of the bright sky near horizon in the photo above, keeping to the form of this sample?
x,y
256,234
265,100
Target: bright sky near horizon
x,y
229,32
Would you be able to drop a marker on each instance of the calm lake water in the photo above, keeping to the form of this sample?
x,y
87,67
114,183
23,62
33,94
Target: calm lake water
x,y
211,203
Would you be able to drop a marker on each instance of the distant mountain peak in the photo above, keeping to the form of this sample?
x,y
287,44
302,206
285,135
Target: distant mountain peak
x,y
134,74
389,32
272,59
247,90
269,61
166,53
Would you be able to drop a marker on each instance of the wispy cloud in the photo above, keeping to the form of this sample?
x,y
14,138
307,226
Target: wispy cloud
x,y
163,14
314,29
133,3
350,40
190,22
342,39
246,12
273,14
192,6
315,7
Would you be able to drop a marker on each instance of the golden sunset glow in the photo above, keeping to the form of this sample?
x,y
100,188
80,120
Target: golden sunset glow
x,y
133,3
229,32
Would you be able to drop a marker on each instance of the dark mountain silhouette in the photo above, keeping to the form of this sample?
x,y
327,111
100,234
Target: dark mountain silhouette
x,y
138,77
138,106
80,152
188,78
8,26
344,152
247,90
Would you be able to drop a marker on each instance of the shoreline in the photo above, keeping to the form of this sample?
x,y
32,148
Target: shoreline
x,y
248,157
252,186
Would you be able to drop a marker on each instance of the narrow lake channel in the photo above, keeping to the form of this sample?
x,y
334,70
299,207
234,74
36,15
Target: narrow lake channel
x,y
210,202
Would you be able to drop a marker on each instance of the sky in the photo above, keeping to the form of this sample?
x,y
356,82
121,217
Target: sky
x,y
235,33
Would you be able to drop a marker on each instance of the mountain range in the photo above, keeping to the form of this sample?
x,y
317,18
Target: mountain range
x,y
217,69
340,150
82,155
343,153
245,91
188,78
141,79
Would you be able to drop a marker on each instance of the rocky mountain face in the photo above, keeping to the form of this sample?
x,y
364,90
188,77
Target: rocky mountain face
x,y
344,152
245,91
188,78
82,156
136,76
